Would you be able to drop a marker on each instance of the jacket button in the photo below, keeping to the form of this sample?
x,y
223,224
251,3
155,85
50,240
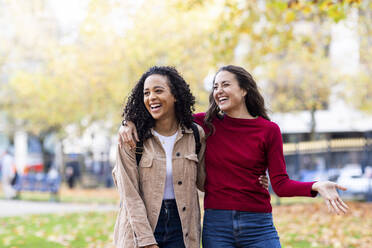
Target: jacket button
x,y
178,154
184,209
179,182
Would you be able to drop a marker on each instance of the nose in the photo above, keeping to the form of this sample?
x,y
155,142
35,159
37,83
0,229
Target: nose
x,y
218,90
152,95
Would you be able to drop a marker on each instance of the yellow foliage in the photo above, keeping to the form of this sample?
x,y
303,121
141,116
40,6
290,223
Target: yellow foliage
x,y
323,229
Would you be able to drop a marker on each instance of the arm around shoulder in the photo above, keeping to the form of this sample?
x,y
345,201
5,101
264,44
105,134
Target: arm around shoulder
x,y
201,157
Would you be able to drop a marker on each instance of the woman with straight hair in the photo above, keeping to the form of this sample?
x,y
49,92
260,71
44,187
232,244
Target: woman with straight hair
x,y
242,143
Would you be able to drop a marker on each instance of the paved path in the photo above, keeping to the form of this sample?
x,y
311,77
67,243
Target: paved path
x,y
17,207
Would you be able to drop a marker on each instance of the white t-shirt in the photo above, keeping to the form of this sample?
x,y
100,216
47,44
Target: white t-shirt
x,y
168,143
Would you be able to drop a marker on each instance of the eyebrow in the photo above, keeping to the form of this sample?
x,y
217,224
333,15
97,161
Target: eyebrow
x,y
156,87
225,81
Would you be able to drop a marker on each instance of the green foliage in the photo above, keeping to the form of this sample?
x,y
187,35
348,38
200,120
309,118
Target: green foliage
x,y
300,80
90,79
59,230
320,230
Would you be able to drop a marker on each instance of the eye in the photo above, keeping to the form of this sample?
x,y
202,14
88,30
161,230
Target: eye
x,y
158,91
147,93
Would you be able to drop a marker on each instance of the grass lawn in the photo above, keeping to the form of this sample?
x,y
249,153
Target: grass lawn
x,y
310,225
298,224
93,230
76,195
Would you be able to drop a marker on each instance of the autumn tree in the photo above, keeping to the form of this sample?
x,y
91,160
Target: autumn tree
x,y
302,80
359,85
87,80
283,43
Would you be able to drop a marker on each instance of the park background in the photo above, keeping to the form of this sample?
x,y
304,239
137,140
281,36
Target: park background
x,y
67,67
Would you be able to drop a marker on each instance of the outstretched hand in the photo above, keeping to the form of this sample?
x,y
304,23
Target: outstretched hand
x,y
128,135
328,190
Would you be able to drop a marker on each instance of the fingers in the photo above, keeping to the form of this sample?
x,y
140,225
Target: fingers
x,y
328,190
341,187
340,207
264,181
133,130
126,139
130,141
120,141
334,206
342,203
330,209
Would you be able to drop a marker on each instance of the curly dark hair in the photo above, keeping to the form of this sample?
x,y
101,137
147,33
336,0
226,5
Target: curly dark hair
x,y
253,99
136,111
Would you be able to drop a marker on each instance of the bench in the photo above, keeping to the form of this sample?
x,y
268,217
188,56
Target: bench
x,y
39,182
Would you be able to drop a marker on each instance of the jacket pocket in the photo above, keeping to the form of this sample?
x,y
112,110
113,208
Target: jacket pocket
x,y
146,168
191,163
192,157
146,161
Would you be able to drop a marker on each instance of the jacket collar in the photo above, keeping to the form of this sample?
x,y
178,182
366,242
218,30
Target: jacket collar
x,y
180,130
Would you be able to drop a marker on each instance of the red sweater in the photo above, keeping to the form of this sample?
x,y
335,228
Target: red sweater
x,y
239,152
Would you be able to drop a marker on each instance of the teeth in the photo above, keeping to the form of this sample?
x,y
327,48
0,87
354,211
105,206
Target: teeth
x,y
222,99
152,106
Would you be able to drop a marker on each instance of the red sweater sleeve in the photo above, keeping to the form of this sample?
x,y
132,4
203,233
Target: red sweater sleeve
x,y
282,185
199,118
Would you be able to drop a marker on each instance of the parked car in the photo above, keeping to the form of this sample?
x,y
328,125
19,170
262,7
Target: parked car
x,y
319,175
354,180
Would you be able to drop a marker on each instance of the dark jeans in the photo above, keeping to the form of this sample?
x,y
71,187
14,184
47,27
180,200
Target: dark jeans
x,y
168,231
238,229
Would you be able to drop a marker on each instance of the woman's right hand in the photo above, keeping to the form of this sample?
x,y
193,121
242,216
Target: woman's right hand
x,y
128,135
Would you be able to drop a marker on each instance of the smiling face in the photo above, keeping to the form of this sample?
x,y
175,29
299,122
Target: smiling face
x,y
227,93
158,98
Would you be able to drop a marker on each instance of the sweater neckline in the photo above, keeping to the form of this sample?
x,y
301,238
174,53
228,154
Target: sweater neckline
x,y
242,120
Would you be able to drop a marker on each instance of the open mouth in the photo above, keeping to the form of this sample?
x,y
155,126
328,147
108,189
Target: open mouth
x,y
222,99
155,107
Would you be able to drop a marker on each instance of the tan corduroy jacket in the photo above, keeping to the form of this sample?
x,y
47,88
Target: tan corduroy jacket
x,y
141,189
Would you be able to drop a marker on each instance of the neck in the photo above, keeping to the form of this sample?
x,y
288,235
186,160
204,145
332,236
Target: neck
x,y
240,112
166,127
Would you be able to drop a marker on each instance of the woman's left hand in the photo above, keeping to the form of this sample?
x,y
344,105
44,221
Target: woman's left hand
x,y
328,190
264,181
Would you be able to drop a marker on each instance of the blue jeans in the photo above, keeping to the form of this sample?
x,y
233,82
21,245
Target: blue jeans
x,y
168,232
238,229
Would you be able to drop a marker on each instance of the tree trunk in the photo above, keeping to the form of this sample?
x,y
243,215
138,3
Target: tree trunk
x,y
312,123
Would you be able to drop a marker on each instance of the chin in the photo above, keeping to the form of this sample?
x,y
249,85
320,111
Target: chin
x,y
224,109
155,117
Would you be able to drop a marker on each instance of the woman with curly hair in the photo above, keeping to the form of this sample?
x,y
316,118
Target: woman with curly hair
x,y
159,199
242,143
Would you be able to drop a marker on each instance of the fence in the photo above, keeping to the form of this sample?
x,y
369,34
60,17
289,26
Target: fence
x,y
327,154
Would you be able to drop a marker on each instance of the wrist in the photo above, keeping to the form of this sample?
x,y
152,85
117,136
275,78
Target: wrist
x,y
314,187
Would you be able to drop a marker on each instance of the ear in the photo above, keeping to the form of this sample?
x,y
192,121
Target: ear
x,y
245,92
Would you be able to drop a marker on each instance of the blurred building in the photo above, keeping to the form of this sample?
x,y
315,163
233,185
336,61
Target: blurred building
x,y
26,25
